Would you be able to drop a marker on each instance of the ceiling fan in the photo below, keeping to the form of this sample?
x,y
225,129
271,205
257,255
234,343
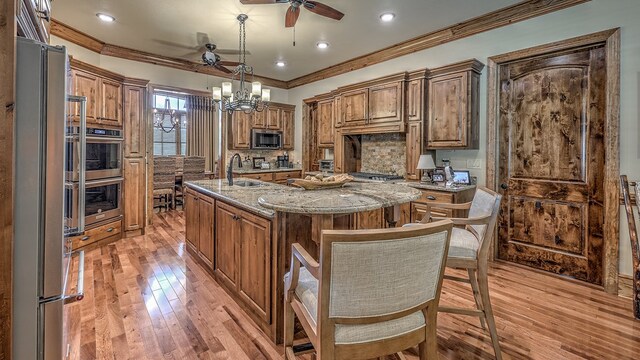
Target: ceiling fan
x,y
206,51
294,9
210,58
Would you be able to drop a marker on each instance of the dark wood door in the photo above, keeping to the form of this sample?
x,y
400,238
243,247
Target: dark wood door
x,y
227,232
551,163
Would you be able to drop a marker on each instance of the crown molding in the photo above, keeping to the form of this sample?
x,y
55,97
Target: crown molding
x,y
77,37
522,11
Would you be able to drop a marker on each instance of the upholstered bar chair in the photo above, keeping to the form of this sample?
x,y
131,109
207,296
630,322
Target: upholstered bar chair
x,y
164,179
470,244
193,169
372,293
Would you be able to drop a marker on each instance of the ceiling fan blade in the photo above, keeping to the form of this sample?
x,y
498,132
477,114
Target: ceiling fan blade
x,y
292,16
203,39
176,45
228,63
222,68
229,52
324,10
191,55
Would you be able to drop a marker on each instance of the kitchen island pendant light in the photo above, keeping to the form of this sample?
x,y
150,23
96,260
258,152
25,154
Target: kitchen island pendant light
x,y
244,99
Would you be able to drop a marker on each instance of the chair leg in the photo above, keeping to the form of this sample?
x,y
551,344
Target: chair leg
x,y
476,294
289,319
486,302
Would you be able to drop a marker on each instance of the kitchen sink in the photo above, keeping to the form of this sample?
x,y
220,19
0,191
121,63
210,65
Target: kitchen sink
x,y
245,183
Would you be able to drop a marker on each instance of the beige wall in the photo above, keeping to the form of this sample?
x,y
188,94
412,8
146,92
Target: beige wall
x,y
579,20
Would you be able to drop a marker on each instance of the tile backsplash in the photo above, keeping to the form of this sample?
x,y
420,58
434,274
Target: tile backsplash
x,y
384,153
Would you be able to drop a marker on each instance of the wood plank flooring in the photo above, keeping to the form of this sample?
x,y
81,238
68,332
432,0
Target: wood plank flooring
x,y
146,298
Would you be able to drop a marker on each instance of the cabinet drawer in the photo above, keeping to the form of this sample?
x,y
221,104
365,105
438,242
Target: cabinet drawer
x,y
261,176
288,175
435,196
96,234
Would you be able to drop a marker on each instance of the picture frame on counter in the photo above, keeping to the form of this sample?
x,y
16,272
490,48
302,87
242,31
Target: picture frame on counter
x,y
257,162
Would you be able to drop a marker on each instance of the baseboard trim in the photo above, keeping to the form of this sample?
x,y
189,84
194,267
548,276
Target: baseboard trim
x,y
625,286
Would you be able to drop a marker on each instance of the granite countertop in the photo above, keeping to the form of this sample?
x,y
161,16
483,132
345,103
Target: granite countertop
x,y
243,197
419,185
259,171
352,198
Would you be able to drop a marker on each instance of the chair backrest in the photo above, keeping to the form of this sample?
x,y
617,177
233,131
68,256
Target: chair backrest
x,y
193,168
378,275
164,172
633,238
485,203
179,163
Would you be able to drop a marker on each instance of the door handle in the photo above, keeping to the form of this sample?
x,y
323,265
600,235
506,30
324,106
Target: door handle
x,y
538,205
431,197
504,186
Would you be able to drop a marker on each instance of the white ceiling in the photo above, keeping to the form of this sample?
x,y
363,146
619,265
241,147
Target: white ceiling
x,y
141,23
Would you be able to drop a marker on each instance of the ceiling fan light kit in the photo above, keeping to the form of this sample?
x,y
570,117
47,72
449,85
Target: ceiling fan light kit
x,y
246,99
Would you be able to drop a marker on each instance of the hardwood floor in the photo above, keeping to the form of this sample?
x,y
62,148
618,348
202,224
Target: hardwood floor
x,y
146,298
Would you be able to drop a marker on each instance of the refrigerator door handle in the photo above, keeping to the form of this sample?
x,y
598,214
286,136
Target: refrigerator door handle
x,y
82,161
79,295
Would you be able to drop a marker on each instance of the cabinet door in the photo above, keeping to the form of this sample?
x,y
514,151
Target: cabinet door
x,y
240,130
337,119
415,100
254,280
447,123
260,120
288,133
338,153
355,107
85,84
325,123
134,122
134,193
370,219
110,104
206,219
273,119
385,103
414,149
227,232
191,220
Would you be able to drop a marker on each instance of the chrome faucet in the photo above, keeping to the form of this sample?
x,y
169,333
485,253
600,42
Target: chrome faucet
x,y
230,168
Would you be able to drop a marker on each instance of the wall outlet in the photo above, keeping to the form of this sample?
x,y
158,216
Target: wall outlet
x,y
474,164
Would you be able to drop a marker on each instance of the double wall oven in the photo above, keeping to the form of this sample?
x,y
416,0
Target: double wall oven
x,y
97,155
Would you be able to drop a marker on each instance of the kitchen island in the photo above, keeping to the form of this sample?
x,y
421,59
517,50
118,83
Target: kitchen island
x,y
243,234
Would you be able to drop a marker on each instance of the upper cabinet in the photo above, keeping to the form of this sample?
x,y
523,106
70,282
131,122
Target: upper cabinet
x,y
103,91
325,123
277,117
376,106
453,120
415,98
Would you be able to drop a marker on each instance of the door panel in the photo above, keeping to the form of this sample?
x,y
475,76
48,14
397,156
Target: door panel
x,y
447,124
255,259
227,229
206,219
385,103
551,162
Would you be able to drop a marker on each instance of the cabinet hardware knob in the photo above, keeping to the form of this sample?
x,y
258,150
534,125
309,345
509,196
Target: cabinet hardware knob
x,y
431,197
110,229
84,238
504,186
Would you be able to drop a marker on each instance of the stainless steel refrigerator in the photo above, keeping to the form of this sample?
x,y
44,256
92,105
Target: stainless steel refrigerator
x,y
42,250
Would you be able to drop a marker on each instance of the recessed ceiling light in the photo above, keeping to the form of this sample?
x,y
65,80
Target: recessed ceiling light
x,y
322,45
280,63
105,17
386,17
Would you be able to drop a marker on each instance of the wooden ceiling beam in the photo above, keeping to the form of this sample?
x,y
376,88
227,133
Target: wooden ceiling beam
x,y
77,37
522,11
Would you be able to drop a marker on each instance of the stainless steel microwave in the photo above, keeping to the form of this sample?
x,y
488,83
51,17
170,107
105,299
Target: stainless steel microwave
x,y
266,139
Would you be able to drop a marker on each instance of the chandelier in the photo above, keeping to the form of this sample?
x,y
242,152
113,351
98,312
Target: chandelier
x,y
160,115
244,99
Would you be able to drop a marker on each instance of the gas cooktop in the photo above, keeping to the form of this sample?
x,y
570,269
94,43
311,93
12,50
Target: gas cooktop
x,y
374,176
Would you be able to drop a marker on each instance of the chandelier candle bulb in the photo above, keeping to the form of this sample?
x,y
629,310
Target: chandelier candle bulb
x,y
256,89
266,95
216,93
226,89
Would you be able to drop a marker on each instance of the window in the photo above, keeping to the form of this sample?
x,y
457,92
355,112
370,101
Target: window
x,y
173,142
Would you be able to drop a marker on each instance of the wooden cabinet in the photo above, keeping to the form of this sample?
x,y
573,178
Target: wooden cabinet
x,y
199,222
415,100
260,120
273,118
414,149
240,131
243,257
453,120
354,107
134,122
325,123
419,207
370,219
338,153
134,193
288,126
337,106
87,85
386,103
280,177
110,104
108,232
